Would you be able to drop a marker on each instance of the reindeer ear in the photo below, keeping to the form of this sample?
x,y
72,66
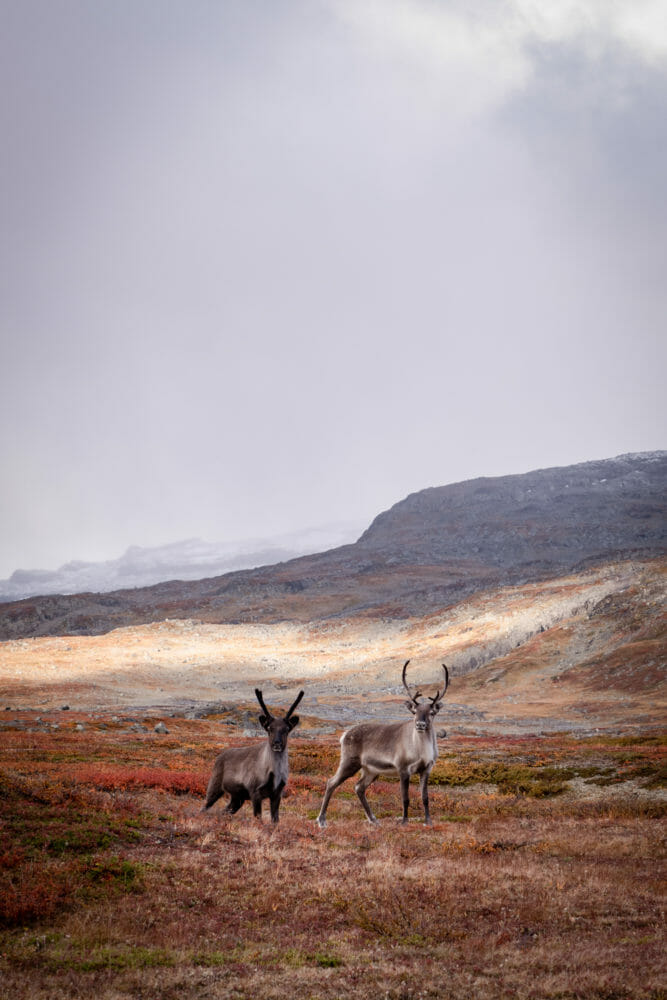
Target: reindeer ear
x,y
264,721
411,706
292,722
435,708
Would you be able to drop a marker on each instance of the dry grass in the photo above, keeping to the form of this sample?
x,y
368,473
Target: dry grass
x,y
112,884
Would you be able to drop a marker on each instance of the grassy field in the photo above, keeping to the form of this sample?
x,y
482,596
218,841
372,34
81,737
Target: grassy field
x,y
541,876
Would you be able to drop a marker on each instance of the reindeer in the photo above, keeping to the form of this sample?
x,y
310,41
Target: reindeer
x,y
255,772
378,747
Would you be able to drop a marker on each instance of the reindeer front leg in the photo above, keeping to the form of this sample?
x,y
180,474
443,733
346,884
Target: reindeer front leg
x,y
256,800
405,793
423,785
276,796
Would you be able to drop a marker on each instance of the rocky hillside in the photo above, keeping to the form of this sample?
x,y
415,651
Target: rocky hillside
x,y
542,521
428,552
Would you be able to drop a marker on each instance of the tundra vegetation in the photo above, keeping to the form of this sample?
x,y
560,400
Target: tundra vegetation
x,y
540,876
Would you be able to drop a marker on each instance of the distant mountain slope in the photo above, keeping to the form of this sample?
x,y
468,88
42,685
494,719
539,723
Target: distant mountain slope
x,y
192,559
430,550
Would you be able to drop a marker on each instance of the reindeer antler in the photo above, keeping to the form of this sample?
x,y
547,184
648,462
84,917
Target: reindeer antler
x,y
438,695
258,693
298,699
265,709
413,697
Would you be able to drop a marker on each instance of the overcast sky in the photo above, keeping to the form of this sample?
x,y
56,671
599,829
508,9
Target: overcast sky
x,y
267,265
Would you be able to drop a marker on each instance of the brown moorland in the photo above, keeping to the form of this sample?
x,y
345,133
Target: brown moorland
x,y
540,877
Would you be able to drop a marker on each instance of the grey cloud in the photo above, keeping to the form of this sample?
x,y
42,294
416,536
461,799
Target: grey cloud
x,y
257,277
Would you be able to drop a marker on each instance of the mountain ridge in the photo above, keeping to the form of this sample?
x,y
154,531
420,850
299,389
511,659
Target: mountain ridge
x,y
428,551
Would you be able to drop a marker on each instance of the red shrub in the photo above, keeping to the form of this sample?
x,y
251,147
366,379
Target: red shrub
x,y
121,778
29,897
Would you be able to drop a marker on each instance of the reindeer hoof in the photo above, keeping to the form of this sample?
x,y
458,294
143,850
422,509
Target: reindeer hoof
x,y
321,823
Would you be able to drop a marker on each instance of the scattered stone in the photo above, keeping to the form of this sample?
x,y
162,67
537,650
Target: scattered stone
x,y
80,728
160,728
65,708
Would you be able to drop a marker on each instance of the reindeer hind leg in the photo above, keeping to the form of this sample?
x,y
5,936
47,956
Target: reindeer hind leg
x,y
235,803
345,770
367,778
214,789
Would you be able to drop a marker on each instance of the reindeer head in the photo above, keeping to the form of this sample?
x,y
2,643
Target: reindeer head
x,y
278,729
423,712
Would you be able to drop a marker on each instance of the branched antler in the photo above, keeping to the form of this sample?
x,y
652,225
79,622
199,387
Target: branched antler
x,y
413,697
438,695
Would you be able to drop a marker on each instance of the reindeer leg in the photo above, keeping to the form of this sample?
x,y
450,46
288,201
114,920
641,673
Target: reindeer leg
x,y
274,799
423,784
275,805
211,799
235,804
257,806
405,794
342,774
214,790
367,778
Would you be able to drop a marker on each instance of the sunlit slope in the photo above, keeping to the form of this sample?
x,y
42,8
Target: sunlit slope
x,y
586,648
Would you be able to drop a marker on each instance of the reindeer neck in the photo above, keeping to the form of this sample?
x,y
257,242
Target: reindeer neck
x,y
425,739
277,761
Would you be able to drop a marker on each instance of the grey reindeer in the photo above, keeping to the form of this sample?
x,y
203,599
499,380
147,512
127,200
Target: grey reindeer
x,y
256,772
379,747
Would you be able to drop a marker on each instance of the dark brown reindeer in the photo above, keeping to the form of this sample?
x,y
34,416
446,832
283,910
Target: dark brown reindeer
x,y
255,772
378,747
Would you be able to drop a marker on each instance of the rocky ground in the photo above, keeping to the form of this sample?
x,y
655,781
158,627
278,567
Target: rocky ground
x,y
582,653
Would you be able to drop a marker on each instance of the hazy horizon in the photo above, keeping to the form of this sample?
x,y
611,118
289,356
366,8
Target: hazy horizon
x,y
269,266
